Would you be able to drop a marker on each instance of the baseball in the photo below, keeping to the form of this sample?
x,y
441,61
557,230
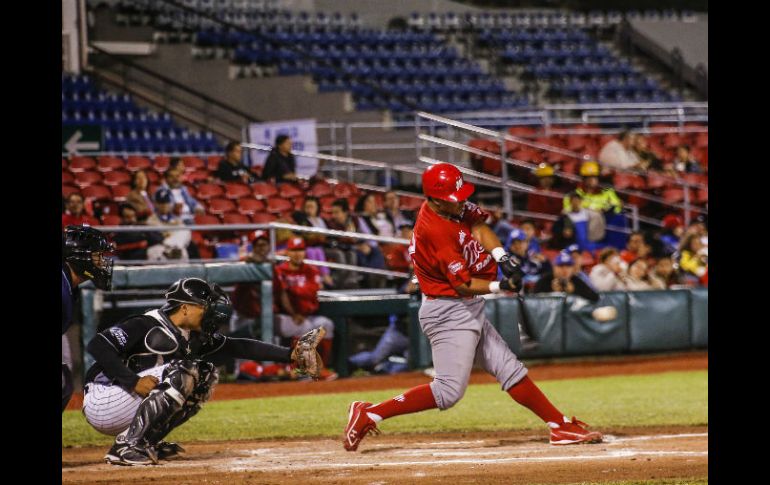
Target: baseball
x,y
604,313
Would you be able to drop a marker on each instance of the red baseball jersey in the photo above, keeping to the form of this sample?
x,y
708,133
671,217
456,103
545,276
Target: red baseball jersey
x,y
302,285
446,255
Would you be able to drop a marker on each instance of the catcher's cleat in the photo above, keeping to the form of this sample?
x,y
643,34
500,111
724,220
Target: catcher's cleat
x,y
124,454
359,425
572,433
165,450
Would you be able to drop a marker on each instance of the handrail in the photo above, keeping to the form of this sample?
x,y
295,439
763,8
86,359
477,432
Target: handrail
x,y
348,267
175,84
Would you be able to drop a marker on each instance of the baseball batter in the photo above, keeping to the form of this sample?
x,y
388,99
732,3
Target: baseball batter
x,y
154,371
455,257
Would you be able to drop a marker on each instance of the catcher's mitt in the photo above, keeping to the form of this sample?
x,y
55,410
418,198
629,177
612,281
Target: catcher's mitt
x,y
305,355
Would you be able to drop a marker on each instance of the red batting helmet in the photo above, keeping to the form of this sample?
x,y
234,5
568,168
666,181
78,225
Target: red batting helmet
x,y
445,181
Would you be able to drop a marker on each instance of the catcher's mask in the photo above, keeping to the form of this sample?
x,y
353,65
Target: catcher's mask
x,y
214,300
87,250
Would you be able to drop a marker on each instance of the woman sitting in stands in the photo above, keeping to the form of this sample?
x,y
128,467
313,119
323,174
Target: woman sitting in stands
x,y
138,197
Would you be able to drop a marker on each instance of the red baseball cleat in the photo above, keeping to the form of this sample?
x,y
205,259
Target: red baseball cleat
x,y
572,433
359,425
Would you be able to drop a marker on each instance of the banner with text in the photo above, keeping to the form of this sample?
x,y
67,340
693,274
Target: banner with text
x,y
303,138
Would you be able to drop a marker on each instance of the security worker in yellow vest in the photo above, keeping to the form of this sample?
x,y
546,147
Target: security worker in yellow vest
x,y
595,197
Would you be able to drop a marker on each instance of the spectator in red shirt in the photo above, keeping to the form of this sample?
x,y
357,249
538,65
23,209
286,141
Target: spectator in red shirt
x,y
543,203
636,248
295,287
76,215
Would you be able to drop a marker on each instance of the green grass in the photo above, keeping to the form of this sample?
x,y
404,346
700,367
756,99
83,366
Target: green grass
x,y
672,398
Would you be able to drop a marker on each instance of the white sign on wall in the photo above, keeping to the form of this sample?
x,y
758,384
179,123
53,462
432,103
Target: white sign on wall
x,y
303,138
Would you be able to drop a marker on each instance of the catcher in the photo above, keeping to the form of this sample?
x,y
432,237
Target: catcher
x,y
154,371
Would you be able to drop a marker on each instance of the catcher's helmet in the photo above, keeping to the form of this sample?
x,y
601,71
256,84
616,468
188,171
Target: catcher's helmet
x,y
445,181
80,243
217,306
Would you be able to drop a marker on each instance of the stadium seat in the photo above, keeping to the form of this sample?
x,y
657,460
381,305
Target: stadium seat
x,y
263,218
695,178
161,163
84,179
210,191
67,177
108,164
134,163
235,218
64,163
702,196
206,219
81,164
212,162
110,220
409,203
96,192
320,189
66,190
276,205
344,189
118,177
191,164
263,190
289,191
221,206
196,176
623,181
249,206
119,192
657,181
236,190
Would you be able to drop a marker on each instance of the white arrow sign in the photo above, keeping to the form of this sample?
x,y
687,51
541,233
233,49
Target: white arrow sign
x,y
73,146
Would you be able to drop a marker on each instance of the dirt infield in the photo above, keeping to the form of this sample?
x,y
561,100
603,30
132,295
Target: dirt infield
x,y
488,458
606,366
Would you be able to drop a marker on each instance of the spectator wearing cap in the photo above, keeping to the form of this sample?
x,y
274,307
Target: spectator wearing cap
x,y
138,197
76,214
609,274
295,286
563,279
280,164
532,268
673,229
594,197
541,202
184,204
231,168
638,278
636,248
619,154
577,258
175,243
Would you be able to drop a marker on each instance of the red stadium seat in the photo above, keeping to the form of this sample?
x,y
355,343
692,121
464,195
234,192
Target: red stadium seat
x,y
66,190
623,181
192,190
250,206
118,177
263,218
110,220
344,189
196,176
523,131
289,191
64,163
206,219
192,164
695,178
152,176
276,205
96,192
119,192
587,259
210,191
81,164
675,195
702,196
108,164
67,177
577,142
638,201
263,190
320,189
657,181
212,162
410,203
298,203
135,163
161,163
701,140
84,179
237,191
235,218
673,140
221,206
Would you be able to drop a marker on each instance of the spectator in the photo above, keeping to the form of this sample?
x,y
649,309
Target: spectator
x,y
563,279
280,164
133,245
231,169
177,164
312,210
636,248
395,216
340,249
638,278
138,197
585,225
533,243
684,161
185,205
540,202
693,255
75,214
609,274
647,159
175,243
619,154
296,286
369,255
673,229
594,197
663,274
577,258
315,242
247,297
370,220
533,267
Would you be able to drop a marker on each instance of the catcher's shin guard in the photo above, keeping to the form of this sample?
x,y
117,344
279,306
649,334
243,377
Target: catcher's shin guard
x,y
163,402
